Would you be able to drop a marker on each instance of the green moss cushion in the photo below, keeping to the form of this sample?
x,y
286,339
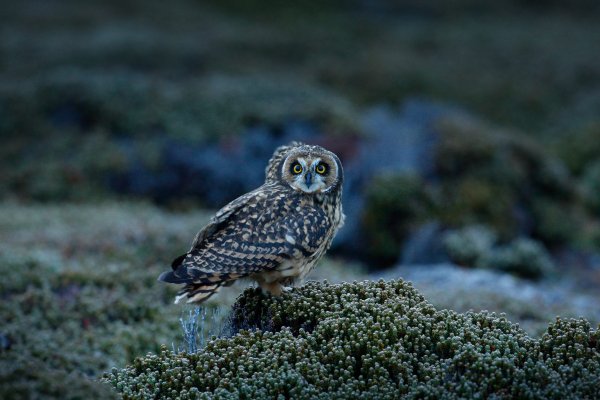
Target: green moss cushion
x,y
370,340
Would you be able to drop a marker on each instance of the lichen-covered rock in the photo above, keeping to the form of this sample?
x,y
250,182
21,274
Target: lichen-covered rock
x,y
370,340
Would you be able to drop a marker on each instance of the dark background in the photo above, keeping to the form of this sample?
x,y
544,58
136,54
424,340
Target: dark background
x,y
469,133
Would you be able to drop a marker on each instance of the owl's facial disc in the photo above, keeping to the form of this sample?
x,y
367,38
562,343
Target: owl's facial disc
x,y
311,169
308,174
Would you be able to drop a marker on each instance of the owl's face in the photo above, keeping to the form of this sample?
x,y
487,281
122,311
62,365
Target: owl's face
x,y
311,169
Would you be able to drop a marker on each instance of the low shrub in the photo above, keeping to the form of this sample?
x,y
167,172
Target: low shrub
x,y
370,340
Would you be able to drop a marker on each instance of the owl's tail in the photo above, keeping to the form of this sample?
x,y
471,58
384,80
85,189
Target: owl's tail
x,y
199,293
202,287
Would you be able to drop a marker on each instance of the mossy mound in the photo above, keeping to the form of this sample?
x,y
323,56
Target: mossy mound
x,y
370,340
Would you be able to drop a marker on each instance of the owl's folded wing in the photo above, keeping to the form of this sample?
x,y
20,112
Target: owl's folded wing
x,y
223,215
235,255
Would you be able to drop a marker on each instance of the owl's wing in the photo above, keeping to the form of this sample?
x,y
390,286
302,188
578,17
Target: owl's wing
x,y
213,225
222,216
216,223
231,256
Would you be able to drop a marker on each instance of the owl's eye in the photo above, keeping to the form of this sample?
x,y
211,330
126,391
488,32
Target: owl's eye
x,y
296,168
321,169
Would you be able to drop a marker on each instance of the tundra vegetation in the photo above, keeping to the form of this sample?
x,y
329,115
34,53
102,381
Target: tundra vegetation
x,y
118,129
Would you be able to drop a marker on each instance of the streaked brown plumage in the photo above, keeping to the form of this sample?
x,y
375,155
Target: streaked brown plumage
x,y
274,234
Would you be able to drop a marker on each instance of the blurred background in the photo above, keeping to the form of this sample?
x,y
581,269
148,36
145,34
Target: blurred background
x,y
469,133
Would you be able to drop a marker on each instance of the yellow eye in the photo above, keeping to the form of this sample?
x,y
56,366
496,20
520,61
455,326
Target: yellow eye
x,y
297,168
321,169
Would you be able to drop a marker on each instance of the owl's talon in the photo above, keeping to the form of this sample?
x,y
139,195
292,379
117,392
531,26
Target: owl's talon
x,y
272,288
286,289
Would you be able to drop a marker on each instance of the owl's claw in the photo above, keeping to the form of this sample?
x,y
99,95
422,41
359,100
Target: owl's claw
x,y
273,288
286,289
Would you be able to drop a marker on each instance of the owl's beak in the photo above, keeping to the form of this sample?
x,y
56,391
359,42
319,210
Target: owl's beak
x,y
308,179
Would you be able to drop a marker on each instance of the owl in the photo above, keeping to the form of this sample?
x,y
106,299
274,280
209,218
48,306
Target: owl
x,y
273,235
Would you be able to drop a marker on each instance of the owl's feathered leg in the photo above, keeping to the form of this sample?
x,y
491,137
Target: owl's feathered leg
x,y
288,283
275,288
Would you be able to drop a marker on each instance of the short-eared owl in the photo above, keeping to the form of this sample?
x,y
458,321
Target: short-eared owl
x,y
274,234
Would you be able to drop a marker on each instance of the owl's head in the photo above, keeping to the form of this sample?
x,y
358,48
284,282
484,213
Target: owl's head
x,y
306,168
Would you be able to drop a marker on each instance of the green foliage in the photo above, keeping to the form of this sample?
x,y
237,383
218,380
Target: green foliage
x,y
132,105
370,340
481,176
65,325
486,173
395,205
204,71
468,246
477,246
440,50
580,148
80,127
79,294
559,222
523,257
591,186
